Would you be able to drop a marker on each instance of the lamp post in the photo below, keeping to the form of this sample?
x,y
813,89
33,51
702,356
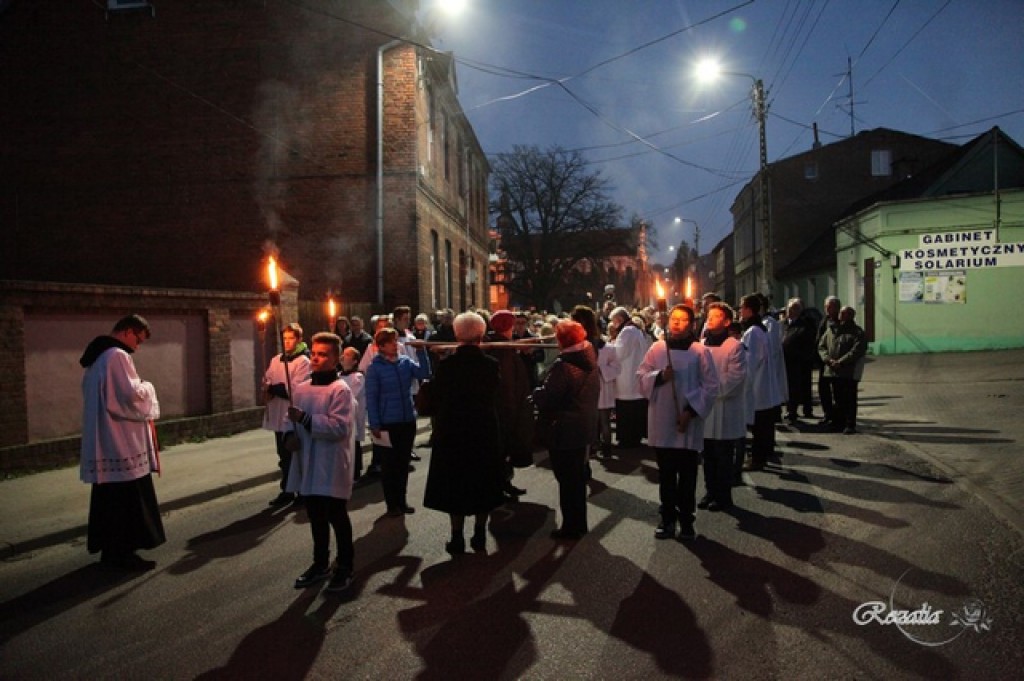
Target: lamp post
x,y
709,70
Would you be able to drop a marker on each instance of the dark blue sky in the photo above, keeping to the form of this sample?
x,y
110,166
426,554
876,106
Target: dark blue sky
x,y
946,70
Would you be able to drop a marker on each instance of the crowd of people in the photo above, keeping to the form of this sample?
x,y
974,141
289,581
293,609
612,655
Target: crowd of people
x,y
705,388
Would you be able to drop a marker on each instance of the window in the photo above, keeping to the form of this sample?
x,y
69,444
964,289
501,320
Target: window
x,y
431,124
881,163
463,277
435,270
811,170
448,273
444,147
472,283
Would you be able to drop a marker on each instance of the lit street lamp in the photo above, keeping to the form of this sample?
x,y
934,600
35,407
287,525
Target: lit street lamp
x,y
708,70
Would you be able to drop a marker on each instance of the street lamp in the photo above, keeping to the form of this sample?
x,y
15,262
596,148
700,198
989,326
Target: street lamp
x,y
708,70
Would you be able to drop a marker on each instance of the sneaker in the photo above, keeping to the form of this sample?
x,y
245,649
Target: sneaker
x,y
314,575
665,531
341,581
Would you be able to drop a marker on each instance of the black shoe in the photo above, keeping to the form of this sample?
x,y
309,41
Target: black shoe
x,y
753,466
478,542
314,575
716,506
791,418
687,533
372,470
299,500
665,531
415,457
455,547
513,491
566,535
126,562
703,503
282,499
849,430
341,581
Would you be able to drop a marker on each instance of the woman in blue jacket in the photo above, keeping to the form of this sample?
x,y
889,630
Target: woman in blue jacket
x,y
390,411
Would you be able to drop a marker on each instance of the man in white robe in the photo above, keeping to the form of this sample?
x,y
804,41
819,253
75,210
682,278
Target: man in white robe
x,y
726,423
119,449
322,418
678,377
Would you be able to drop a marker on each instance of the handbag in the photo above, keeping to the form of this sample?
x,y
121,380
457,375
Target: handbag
x,y
424,400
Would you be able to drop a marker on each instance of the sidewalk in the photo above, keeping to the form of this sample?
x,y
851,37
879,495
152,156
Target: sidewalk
x,y
958,411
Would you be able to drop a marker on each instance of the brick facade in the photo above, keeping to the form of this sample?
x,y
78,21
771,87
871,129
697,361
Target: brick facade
x,y
155,162
173,151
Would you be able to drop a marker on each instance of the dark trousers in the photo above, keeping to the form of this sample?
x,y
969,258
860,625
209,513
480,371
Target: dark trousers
x,y
826,395
630,421
394,463
284,458
677,484
739,450
326,513
719,469
799,378
845,415
762,435
570,468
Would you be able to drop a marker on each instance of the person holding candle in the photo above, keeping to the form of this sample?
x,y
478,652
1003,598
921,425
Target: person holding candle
x,y
288,369
678,376
321,417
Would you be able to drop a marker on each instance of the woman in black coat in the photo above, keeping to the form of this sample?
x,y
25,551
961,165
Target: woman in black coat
x,y
467,467
567,408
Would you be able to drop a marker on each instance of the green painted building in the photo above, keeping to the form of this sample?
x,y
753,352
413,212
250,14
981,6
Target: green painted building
x,y
934,264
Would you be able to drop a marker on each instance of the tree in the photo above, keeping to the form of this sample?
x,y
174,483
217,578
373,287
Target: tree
x,y
554,213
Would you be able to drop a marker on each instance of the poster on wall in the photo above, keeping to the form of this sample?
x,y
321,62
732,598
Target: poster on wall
x,y
911,287
945,287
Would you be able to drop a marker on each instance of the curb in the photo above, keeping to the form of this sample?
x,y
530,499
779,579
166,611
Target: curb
x,y
13,550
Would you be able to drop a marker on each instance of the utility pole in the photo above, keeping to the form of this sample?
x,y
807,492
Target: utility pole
x,y
760,110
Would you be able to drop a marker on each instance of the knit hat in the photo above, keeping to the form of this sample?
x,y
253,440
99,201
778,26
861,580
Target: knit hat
x,y
502,321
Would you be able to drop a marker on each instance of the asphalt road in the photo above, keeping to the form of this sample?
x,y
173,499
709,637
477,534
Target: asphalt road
x,y
768,591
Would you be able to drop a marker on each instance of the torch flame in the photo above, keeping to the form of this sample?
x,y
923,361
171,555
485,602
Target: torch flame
x,y
659,289
689,287
272,271
263,316
331,310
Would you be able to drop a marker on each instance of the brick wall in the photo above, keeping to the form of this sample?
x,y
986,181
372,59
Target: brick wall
x,y
108,303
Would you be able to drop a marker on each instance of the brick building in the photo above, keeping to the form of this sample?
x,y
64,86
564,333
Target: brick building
x,y
173,153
